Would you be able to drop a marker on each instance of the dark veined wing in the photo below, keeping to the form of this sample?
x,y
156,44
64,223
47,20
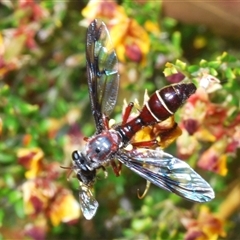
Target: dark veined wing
x,y
88,203
168,172
103,77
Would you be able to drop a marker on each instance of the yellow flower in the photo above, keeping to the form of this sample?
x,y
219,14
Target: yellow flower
x,y
37,194
214,158
42,196
152,27
200,42
206,227
64,209
164,132
54,125
104,10
130,41
31,158
205,135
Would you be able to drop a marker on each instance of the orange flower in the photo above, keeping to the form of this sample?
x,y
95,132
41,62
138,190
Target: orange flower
x,y
32,159
204,121
26,139
206,227
129,39
104,10
53,126
164,132
152,27
65,208
42,196
37,194
214,159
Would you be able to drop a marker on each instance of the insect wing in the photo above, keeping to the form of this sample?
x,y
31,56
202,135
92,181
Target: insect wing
x,y
103,77
169,173
88,203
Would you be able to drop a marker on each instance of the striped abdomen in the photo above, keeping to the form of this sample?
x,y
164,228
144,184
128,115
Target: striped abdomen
x,y
161,105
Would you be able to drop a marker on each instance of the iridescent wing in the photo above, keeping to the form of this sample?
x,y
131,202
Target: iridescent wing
x,y
167,172
88,203
103,77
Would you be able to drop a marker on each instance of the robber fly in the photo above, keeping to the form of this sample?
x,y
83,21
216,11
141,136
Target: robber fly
x,y
109,143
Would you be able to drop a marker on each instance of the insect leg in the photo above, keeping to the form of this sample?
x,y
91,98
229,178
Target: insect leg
x,y
146,144
148,184
116,168
105,171
105,122
127,112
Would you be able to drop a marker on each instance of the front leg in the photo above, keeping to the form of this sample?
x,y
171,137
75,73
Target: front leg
x,y
116,168
127,112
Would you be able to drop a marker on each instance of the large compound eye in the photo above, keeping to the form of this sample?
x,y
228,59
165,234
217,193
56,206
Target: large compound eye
x,y
75,155
79,161
78,157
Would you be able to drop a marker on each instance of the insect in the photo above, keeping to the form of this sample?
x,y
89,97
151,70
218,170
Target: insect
x,y
109,144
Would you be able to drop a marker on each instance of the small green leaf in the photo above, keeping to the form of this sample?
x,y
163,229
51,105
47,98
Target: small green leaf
x,y
203,63
4,90
19,208
229,73
14,196
9,180
181,64
6,158
193,68
214,64
176,40
26,108
141,225
11,123
223,56
1,218
170,70
213,72
167,72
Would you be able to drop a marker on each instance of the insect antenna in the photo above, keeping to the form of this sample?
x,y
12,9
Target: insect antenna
x,y
70,171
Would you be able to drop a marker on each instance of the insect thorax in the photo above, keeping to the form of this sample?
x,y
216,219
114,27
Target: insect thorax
x,y
101,147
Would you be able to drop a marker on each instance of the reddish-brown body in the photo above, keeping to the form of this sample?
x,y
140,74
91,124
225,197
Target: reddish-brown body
x,y
161,105
109,144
